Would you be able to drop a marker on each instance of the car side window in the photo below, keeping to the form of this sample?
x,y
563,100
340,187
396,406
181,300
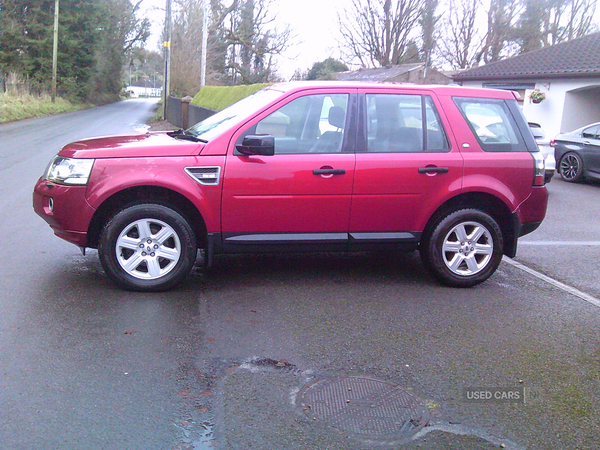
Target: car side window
x,y
309,124
591,132
492,123
403,124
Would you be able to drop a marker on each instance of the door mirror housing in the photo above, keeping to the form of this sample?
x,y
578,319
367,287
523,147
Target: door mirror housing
x,y
257,144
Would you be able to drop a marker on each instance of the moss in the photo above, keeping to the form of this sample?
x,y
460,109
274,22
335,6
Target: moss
x,y
220,97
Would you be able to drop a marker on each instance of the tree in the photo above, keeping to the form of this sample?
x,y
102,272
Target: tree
x,y
324,70
500,17
241,43
378,32
94,37
252,41
461,43
550,22
429,32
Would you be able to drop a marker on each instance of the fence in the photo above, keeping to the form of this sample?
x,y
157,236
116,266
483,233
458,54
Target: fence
x,y
182,114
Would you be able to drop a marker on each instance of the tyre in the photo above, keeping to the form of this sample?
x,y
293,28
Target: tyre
x,y
147,247
464,248
571,167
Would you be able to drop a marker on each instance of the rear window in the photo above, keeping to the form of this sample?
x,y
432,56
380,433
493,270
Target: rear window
x,y
492,124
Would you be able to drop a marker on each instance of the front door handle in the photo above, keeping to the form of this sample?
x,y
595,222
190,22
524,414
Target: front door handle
x,y
433,169
329,172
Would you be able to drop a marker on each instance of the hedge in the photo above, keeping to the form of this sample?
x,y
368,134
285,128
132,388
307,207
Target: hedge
x,y
220,97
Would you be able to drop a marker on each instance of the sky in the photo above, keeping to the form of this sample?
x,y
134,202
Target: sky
x,y
313,22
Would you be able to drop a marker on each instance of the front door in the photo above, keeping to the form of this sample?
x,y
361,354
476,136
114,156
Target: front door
x,y
300,196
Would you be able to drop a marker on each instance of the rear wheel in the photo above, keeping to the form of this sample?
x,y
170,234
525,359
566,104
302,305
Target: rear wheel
x,y
571,167
464,248
147,247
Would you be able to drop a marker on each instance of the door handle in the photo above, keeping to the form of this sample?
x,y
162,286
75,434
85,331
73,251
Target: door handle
x,y
433,169
329,172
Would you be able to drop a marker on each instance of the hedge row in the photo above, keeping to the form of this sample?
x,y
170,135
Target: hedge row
x,y
220,97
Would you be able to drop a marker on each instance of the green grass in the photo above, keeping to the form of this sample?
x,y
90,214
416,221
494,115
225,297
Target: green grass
x,y
220,97
23,106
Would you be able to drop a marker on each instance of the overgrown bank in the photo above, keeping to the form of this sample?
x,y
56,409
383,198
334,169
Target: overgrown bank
x,y
24,106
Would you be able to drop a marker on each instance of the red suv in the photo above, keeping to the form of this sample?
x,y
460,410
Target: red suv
x,y
450,171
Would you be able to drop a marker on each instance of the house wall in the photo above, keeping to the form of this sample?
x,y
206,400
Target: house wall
x,y
569,103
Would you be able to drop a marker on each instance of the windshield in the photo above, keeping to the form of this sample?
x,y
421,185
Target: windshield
x,y
219,122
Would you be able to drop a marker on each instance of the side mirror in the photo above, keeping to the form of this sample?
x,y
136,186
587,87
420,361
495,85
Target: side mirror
x,y
259,144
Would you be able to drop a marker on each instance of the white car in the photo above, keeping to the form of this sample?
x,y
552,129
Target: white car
x,y
548,151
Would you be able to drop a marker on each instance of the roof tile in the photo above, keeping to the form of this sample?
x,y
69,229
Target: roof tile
x,y
578,57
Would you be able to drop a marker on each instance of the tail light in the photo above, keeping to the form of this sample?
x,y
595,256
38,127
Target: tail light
x,y
552,143
539,169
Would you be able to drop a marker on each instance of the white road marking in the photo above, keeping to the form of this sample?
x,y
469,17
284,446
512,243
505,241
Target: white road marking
x,y
561,243
571,290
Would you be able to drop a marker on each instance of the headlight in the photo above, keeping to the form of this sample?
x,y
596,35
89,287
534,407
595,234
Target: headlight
x,y
70,171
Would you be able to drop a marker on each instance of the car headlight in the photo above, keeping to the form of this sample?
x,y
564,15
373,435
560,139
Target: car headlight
x,y
69,171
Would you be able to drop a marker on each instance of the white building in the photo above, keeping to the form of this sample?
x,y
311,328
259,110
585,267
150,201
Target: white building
x,y
568,73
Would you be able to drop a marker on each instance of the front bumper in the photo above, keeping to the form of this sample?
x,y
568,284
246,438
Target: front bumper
x,y
65,208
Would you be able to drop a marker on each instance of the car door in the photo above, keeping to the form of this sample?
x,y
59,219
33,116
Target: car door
x,y
590,150
405,166
298,198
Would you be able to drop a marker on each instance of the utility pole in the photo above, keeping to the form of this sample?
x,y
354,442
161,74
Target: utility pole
x,y
167,45
55,51
204,42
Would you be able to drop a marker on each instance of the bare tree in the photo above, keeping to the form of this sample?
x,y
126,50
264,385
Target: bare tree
x,y
378,32
242,42
461,43
252,41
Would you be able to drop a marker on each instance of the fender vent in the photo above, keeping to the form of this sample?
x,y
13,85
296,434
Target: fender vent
x,y
208,176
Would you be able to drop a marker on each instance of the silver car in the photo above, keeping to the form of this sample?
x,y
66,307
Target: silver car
x,y
547,150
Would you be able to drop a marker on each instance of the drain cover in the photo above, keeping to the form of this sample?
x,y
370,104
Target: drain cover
x,y
365,407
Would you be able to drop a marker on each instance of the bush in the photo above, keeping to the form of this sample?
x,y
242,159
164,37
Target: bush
x,y
220,97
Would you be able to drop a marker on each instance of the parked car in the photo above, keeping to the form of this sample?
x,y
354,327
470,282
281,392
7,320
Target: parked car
x,y
546,148
399,167
578,153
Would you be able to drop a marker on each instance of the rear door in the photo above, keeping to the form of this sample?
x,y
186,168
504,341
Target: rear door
x,y
406,165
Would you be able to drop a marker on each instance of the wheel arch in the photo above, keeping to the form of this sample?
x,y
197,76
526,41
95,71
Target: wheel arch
x,y
149,194
487,203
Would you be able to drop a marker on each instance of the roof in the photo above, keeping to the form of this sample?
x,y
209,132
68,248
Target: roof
x,y
441,90
379,74
573,59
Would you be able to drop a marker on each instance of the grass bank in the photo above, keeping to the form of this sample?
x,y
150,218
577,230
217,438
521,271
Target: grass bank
x,y
220,97
23,106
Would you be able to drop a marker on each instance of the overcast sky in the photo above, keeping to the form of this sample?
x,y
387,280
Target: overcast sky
x,y
314,23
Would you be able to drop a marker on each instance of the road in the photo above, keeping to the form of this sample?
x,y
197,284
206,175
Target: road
x,y
226,360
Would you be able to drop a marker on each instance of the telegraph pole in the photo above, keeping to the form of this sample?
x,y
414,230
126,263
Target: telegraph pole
x,y
55,51
204,42
167,45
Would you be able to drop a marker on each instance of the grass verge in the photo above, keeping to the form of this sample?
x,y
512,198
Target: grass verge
x,y
24,106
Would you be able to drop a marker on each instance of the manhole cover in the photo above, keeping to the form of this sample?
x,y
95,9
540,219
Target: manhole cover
x,y
365,407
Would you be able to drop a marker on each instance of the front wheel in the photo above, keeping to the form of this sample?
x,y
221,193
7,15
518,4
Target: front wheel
x,y
464,248
571,167
147,247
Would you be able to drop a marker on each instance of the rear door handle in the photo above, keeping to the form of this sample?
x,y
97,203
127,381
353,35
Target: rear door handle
x,y
329,172
433,169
